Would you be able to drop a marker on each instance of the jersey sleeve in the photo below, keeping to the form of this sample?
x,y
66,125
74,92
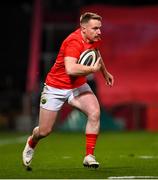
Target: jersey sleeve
x,y
73,49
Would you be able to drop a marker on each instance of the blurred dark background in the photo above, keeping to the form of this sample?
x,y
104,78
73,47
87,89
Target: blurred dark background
x,y
16,38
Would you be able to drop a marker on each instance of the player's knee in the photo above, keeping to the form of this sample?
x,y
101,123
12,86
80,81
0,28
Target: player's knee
x,y
94,122
95,115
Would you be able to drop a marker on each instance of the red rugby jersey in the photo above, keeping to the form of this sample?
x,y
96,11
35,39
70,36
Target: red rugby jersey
x,y
72,46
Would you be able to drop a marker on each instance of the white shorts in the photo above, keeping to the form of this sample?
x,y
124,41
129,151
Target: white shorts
x,y
54,98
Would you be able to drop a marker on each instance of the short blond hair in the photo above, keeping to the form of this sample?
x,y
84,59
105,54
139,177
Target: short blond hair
x,y
84,18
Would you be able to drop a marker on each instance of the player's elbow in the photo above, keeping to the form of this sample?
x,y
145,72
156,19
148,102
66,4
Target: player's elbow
x,y
69,71
70,65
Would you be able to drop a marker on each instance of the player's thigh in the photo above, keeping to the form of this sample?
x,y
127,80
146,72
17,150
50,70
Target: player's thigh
x,y
52,100
86,102
47,119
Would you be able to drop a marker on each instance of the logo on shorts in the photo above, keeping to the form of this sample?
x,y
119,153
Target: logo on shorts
x,y
43,100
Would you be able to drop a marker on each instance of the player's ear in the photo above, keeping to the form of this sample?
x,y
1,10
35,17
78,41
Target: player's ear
x,y
83,28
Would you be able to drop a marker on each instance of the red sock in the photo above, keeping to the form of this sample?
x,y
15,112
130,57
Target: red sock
x,y
32,143
90,143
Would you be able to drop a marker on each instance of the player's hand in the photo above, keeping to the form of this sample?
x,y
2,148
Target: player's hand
x,y
109,79
96,67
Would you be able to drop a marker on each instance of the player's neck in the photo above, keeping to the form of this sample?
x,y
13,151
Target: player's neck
x,y
85,38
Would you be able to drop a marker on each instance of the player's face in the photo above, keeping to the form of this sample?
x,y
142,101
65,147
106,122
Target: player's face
x,y
92,30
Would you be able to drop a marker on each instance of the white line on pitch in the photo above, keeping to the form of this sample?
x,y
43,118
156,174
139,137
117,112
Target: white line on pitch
x,y
66,157
133,177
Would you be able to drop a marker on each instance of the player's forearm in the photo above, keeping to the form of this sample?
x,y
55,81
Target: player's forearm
x,y
103,68
79,70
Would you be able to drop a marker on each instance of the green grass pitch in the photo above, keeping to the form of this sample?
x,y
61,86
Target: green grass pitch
x,y
60,156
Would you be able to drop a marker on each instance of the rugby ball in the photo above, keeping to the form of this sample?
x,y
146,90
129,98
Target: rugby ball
x,y
88,57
